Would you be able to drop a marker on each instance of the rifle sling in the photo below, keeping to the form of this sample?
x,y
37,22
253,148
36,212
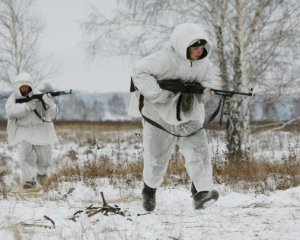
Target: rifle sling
x,y
40,117
215,113
155,124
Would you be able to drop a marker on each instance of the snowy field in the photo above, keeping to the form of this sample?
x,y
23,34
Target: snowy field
x,y
72,210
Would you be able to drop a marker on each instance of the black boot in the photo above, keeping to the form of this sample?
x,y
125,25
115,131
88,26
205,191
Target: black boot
x,y
42,179
149,201
29,184
193,189
204,198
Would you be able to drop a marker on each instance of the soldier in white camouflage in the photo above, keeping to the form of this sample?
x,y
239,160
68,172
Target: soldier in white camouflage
x,y
186,59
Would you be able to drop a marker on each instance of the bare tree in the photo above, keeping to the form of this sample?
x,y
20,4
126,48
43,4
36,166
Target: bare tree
x,y
116,105
256,43
74,108
20,32
263,37
97,111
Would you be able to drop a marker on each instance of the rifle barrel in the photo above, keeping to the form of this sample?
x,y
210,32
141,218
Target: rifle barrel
x,y
55,94
231,93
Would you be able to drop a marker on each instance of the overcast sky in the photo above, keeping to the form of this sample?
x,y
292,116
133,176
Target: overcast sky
x,y
62,38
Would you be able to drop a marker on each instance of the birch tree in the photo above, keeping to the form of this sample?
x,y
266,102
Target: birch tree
x,y
20,31
264,33
255,44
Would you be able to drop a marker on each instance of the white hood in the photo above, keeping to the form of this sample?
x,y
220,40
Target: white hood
x,y
21,79
184,35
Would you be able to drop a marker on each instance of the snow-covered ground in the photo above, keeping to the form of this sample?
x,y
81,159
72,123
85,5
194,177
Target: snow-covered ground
x,y
234,216
63,212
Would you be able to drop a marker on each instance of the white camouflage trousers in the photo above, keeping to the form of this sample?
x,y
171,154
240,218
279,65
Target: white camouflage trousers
x,y
34,160
158,148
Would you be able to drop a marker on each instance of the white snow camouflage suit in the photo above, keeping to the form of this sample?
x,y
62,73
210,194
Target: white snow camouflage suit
x,y
160,106
33,136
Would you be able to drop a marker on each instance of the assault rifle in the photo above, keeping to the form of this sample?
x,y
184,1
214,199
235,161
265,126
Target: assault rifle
x,y
40,97
197,88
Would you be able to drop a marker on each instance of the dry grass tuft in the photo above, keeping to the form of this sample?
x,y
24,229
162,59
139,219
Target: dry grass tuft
x,y
176,172
261,176
3,188
97,126
250,174
254,175
129,172
266,126
105,168
3,172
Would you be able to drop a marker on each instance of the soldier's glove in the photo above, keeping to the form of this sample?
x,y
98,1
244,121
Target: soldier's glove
x,y
31,105
207,94
164,96
48,99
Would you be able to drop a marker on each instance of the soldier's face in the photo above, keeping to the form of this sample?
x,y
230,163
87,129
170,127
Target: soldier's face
x,y
24,89
195,52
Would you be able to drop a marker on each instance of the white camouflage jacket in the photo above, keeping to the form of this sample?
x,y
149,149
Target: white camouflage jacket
x,y
23,123
172,63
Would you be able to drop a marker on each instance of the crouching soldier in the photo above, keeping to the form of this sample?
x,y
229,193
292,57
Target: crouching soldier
x,y
31,129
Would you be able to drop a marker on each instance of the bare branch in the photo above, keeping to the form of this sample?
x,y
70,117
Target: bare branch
x,y
20,32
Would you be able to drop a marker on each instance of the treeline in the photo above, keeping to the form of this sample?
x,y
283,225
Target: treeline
x,y
86,106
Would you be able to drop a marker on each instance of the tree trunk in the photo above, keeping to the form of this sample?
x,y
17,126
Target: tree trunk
x,y
218,14
233,127
238,136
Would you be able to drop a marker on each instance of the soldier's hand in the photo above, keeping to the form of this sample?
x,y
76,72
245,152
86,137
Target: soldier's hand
x,y
164,96
31,105
48,99
207,94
